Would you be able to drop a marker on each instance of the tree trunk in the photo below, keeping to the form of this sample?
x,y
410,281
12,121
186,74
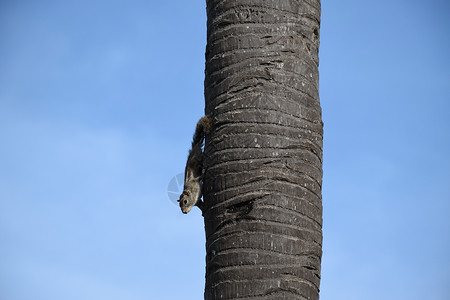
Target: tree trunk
x,y
263,158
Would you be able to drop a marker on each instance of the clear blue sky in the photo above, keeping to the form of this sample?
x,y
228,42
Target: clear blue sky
x,y
98,101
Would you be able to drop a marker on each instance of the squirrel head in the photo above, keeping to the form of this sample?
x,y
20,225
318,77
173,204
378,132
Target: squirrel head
x,y
187,202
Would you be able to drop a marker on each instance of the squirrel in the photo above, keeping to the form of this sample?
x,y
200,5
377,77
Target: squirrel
x,y
194,172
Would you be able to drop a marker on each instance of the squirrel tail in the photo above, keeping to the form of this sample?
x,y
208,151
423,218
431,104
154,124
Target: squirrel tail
x,y
203,127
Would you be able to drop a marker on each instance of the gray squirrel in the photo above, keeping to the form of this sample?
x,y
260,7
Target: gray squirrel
x,y
194,172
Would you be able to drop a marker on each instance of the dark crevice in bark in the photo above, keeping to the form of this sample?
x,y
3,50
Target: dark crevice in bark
x,y
241,208
303,218
288,203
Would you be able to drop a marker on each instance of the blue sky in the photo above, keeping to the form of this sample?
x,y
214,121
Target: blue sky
x,y
98,101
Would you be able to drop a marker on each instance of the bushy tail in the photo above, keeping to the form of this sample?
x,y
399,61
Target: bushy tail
x,y
203,127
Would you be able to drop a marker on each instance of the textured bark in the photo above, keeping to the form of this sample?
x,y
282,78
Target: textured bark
x,y
263,158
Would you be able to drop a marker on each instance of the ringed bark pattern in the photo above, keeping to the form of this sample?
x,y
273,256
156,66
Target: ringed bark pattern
x,y
263,157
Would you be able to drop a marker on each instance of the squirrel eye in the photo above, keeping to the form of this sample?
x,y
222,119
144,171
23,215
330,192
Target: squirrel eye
x,y
185,201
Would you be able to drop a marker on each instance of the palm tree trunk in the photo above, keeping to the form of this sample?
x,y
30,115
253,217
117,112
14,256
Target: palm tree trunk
x,y
263,158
